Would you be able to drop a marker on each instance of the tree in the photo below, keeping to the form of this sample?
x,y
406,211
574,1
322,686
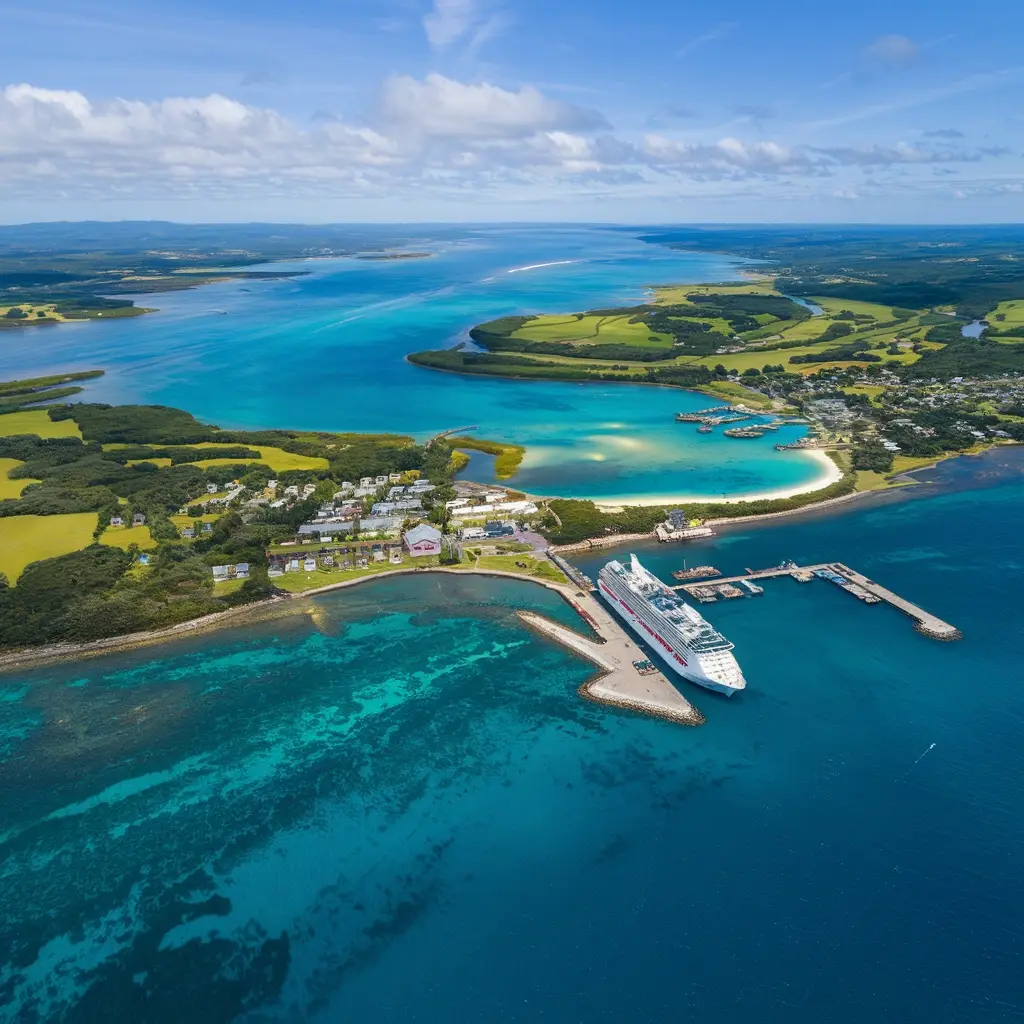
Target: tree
x,y
16,313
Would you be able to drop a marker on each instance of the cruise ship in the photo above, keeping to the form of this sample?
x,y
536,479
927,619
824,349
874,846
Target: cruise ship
x,y
686,641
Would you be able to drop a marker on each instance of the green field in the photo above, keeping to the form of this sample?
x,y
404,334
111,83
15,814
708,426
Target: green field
x,y
591,330
124,536
26,539
673,294
35,421
12,488
1012,313
833,306
276,458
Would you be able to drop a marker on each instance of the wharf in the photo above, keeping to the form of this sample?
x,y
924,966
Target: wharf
x,y
924,622
620,683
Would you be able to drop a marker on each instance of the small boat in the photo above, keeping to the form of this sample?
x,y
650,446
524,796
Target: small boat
x,y
705,429
695,573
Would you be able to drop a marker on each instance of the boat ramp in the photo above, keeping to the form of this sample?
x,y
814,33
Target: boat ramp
x,y
853,582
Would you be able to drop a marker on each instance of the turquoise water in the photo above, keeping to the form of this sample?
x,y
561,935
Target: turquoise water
x,y
328,351
395,808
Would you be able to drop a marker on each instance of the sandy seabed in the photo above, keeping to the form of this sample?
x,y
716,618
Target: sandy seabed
x,y
830,473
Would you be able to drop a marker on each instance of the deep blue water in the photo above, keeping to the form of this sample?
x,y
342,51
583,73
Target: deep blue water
x,y
393,807
327,351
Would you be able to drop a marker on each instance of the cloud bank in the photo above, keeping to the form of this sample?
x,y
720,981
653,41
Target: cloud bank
x,y
423,134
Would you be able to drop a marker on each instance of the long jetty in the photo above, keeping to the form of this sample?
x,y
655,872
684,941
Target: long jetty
x,y
620,683
924,622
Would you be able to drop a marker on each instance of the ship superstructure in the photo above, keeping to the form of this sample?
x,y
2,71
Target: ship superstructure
x,y
684,639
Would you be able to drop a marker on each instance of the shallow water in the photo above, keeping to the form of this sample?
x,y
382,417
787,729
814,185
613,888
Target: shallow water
x,y
394,807
327,351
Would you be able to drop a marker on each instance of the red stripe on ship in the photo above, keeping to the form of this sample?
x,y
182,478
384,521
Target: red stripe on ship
x,y
639,621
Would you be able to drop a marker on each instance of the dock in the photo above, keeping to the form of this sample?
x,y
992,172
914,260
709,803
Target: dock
x,y
622,684
854,582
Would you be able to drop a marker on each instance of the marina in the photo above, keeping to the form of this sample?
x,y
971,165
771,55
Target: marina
x,y
853,582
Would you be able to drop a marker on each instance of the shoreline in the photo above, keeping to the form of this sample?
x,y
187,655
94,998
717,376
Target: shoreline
x,y
832,474
281,603
284,603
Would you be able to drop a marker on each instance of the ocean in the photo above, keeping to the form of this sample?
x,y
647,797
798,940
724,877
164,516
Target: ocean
x,y
393,806
327,352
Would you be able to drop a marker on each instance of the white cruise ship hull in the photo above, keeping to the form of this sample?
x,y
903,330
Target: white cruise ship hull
x,y
682,663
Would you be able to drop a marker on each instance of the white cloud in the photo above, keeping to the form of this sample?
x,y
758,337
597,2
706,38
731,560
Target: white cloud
x,y
441,107
450,20
726,156
434,135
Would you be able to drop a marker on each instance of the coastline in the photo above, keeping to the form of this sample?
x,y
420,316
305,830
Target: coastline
x,y
287,603
831,474
280,604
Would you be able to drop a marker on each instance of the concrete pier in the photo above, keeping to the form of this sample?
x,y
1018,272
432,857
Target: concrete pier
x,y
924,622
619,684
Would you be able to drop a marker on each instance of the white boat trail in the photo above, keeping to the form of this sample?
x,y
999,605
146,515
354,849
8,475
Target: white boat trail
x,y
538,266
918,761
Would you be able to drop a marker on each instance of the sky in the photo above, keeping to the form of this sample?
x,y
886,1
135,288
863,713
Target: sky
x,y
513,110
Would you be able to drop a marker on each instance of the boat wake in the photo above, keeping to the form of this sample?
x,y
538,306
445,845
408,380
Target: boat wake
x,y
538,266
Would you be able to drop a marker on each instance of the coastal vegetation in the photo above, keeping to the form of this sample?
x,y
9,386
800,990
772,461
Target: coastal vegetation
x,y
507,456
700,337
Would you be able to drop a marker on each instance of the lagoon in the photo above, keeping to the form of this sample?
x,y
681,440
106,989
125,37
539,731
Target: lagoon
x,y
327,351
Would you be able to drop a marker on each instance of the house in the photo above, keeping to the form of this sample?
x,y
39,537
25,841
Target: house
x,y
188,532
308,489
143,559
381,481
327,561
116,521
422,540
309,565
291,491
472,533
497,528
396,557
677,519
394,477
220,573
138,519
242,571
378,524
271,485
211,488
292,566
491,497
378,555
206,528
366,481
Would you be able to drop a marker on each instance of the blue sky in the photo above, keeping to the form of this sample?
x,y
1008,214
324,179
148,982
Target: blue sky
x,y
396,110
